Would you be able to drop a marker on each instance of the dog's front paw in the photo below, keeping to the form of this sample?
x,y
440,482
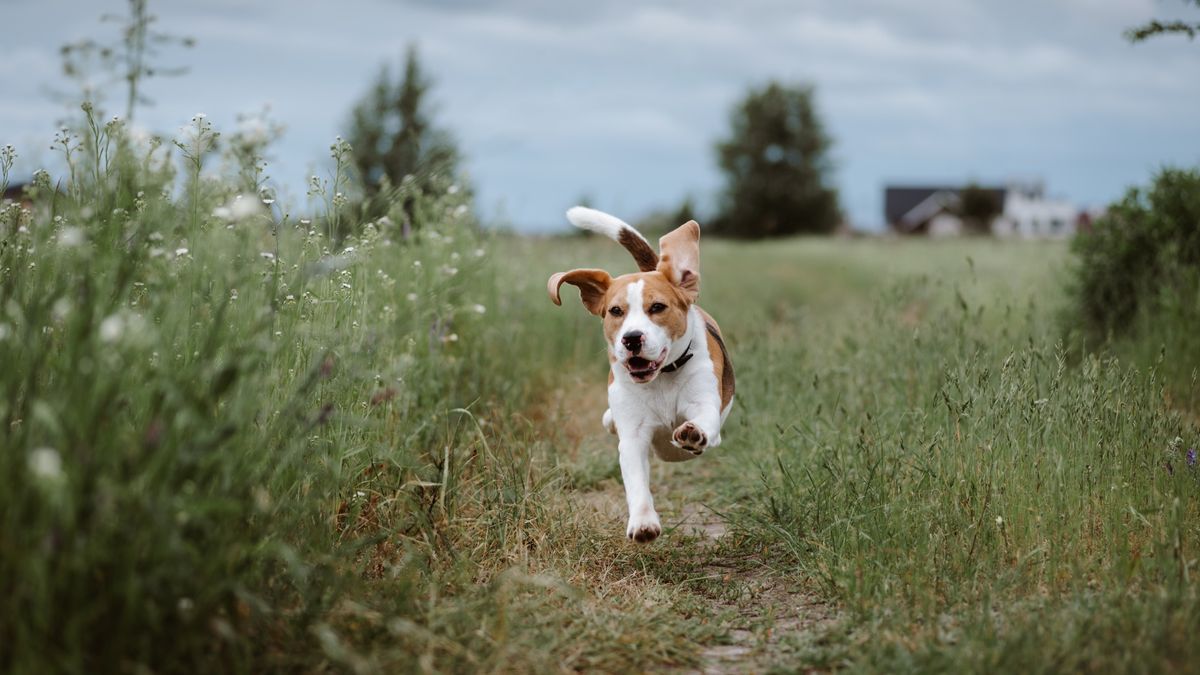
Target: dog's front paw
x,y
644,528
689,437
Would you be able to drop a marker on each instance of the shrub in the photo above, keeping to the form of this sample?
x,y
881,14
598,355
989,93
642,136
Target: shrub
x,y
1147,245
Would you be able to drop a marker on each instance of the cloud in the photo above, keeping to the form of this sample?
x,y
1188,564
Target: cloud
x,y
625,99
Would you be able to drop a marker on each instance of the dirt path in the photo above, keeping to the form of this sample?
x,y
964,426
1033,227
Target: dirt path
x,y
764,612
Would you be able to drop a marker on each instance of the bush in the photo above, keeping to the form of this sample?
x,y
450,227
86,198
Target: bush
x,y
1145,247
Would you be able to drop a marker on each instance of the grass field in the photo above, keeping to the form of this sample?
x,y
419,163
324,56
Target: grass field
x,y
232,441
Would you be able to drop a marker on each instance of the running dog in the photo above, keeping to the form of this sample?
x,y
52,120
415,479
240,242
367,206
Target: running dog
x,y
670,385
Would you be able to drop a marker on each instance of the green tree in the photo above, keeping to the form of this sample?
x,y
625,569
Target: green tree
x,y
978,207
394,136
776,167
1155,27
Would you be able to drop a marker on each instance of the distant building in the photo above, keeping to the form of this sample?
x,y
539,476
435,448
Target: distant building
x,y
936,211
15,192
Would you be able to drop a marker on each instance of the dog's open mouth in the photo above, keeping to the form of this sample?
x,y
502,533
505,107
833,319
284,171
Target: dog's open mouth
x,y
642,370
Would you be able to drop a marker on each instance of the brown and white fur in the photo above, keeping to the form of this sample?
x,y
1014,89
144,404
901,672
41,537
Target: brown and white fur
x,y
651,322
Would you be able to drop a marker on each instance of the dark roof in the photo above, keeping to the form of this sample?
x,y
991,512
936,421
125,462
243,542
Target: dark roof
x,y
14,191
898,201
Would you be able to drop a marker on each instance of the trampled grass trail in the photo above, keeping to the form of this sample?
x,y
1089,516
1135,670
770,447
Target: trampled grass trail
x,y
918,475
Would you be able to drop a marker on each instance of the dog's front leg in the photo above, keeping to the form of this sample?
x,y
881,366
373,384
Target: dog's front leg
x,y
635,472
702,426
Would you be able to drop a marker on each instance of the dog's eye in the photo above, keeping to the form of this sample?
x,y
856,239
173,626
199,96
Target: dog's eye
x,y
657,307
615,311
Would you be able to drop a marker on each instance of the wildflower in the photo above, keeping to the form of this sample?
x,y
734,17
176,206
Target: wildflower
x,y
452,190
479,309
181,251
46,464
5,331
111,328
267,255
417,263
479,253
412,297
238,209
60,309
999,521
1191,457
70,237
449,271
233,294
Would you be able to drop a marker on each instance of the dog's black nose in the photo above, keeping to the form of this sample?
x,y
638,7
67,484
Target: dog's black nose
x,y
633,341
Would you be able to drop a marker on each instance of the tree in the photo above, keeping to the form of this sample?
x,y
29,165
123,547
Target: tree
x,y
393,135
978,207
1155,27
776,167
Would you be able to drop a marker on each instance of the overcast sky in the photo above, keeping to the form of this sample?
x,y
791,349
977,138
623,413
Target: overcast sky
x,y
623,101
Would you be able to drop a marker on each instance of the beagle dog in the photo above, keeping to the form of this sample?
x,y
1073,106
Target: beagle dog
x,y
670,385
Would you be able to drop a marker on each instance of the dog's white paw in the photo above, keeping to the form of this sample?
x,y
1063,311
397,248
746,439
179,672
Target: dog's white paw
x,y
644,528
607,421
689,437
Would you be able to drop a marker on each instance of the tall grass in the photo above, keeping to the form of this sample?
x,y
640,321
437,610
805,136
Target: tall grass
x,y
220,426
934,461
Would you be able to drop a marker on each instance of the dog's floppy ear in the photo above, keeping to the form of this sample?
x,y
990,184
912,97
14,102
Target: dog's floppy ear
x,y
593,285
679,258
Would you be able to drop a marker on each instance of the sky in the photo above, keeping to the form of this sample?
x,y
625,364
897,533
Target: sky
x,y
623,101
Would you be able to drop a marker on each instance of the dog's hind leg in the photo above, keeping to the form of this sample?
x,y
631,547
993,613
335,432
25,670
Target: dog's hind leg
x,y
608,422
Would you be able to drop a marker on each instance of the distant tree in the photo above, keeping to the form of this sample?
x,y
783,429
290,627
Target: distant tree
x,y
978,207
776,167
394,137
1155,27
685,212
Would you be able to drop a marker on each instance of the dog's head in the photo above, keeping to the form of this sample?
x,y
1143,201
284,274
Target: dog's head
x,y
645,313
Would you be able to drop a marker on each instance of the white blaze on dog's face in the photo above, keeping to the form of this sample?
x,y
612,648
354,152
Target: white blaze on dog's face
x,y
645,317
645,314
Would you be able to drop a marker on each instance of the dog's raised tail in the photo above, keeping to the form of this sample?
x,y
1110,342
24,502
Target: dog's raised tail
x,y
619,231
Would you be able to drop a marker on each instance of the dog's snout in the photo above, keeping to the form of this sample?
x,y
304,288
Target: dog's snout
x,y
633,341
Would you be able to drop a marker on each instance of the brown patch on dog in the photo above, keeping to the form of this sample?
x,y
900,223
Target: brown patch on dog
x,y
722,366
593,285
655,288
643,255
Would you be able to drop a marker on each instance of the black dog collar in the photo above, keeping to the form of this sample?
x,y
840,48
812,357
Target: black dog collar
x,y
679,362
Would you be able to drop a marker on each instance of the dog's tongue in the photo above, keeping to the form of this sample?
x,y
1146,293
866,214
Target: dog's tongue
x,y
638,363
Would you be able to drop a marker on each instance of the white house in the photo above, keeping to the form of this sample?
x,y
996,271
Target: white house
x,y
1029,215
935,212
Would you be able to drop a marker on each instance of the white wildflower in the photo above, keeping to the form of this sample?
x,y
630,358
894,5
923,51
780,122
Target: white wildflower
x,y
999,521
46,464
60,309
479,309
479,253
181,251
238,209
111,328
412,297
70,237
267,255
